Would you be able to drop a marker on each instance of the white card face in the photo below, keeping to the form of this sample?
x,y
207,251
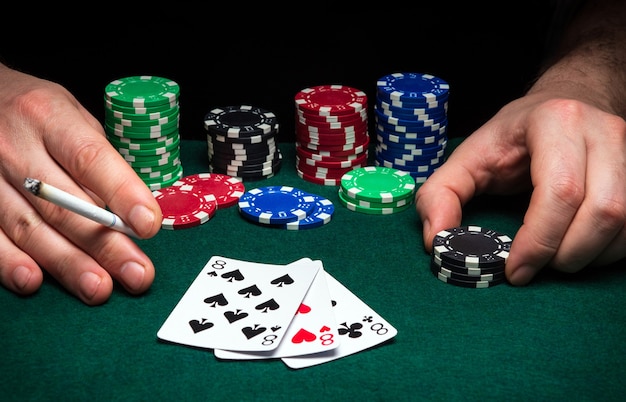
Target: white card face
x,y
239,305
312,330
359,328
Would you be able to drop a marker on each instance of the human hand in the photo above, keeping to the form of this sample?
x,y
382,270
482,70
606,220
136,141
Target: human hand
x,y
46,134
573,157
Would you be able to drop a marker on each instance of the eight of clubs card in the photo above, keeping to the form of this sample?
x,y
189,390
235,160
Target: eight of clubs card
x,y
239,305
359,327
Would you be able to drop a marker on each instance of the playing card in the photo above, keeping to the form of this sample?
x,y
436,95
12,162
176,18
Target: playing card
x,y
312,330
360,327
239,305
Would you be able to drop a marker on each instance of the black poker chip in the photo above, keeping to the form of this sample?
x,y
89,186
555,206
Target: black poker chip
x,y
241,142
471,271
240,121
453,274
472,247
470,256
467,284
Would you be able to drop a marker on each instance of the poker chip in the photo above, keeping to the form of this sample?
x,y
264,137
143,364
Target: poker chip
x,y
470,256
411,115
285,207
240,121
142,91
241,142
331,100
377,184
331,125
412,87
472,246
275,204
141,121
380,209
321,214
182,207
225,190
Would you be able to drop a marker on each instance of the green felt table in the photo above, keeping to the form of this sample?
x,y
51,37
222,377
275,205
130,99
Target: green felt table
x,y
563,337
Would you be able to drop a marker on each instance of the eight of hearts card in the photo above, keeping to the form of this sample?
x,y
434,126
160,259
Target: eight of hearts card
x,y
313,329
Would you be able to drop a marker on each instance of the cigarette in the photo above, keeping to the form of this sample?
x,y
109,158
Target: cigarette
x,y
77,205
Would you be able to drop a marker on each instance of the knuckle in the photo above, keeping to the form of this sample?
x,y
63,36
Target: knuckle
x,y
609,213
568,190
21,231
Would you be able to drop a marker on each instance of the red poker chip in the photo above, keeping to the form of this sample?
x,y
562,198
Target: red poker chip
x,y
331,100
359,128
332,125
359,160
342,118
225,189
318,180
323,172
184,207
308,154
336,150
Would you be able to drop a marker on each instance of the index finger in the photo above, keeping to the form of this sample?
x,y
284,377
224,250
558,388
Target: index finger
x,y
440,199
93,162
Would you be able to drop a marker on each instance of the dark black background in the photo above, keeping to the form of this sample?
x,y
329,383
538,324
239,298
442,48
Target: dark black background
x,y
232,54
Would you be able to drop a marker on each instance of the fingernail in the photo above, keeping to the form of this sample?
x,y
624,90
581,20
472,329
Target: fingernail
x,y
89,283
21,276
522,275
133,274
141,217
426,232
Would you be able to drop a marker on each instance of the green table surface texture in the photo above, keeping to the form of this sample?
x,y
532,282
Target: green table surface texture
x,y
563,337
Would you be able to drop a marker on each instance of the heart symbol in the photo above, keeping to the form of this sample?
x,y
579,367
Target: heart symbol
x,y
303,309
303,336
324,329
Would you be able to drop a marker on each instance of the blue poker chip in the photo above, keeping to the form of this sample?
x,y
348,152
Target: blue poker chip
x,y
322,214
412,87
410,113
398,128
426,152
425,167
438,104
276,205
409,122
408,161
410,138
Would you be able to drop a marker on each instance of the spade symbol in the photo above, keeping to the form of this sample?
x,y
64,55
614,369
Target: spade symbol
x,y
267,306
198,326
235,275
250,291
282,280
216,300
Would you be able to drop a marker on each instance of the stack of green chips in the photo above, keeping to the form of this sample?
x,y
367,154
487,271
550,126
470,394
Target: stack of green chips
x,y
141,122
377,190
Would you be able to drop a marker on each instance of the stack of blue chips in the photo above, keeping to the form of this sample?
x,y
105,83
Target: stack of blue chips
x,y
411,114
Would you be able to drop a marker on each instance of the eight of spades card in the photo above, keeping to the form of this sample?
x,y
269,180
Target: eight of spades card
x,y
239,305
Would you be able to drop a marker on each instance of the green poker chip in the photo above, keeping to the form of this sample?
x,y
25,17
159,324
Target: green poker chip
x,y
371,204
142,91
124,122
378,184
139,110
144,144
371,210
